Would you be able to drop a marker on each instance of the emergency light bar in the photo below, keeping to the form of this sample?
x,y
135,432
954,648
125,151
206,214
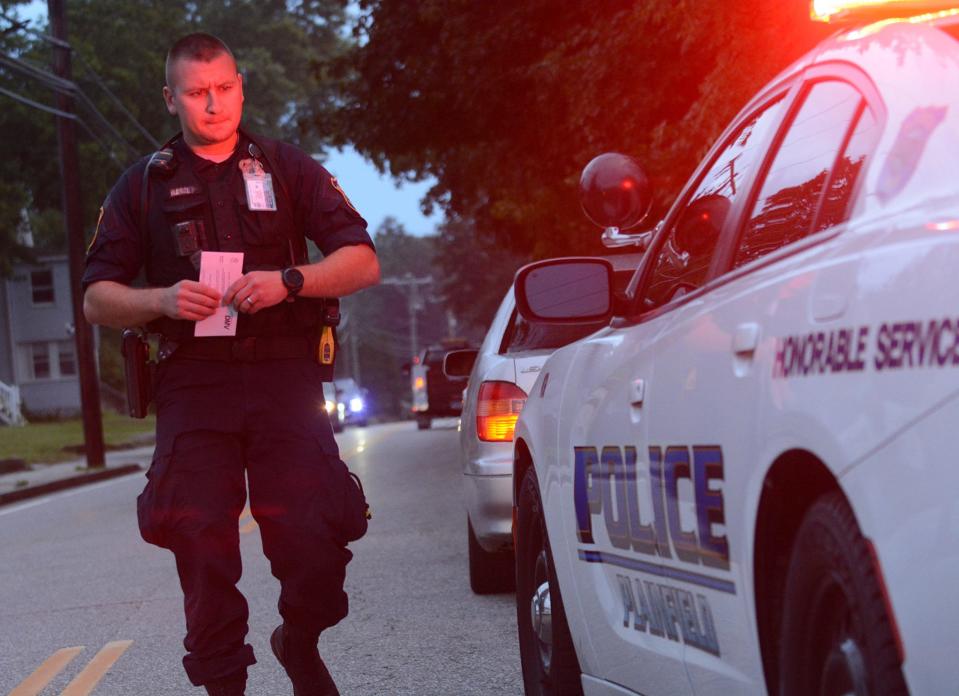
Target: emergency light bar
x,y
858,10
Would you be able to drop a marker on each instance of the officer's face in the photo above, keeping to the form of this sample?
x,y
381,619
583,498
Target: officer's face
x,y
208,99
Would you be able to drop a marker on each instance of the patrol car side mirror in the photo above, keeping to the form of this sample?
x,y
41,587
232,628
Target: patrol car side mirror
x,y
459,363
616,195
574,290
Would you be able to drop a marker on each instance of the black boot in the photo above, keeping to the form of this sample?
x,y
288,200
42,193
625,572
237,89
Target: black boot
x,y
298,654
233,685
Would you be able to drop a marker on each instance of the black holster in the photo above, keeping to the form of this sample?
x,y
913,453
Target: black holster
x,y
138,373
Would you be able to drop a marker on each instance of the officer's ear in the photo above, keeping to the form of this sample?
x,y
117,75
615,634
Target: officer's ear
x,y
168,98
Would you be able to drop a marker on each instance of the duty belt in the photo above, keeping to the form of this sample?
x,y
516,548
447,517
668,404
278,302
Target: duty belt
x,y
250,349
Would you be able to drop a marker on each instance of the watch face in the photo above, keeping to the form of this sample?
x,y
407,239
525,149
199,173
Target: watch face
x,y
292,279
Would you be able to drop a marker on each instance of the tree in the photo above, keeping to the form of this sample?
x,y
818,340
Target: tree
x,y
378,318
281,49
504,102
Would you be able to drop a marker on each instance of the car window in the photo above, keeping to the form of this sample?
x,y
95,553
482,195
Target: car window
x,y
835,204
684,258
434,360
523,335
791,192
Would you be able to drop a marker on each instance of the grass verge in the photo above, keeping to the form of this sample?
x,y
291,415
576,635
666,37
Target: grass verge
x,y
56,442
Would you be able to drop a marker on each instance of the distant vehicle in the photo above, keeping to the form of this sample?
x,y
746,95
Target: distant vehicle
x,y
330,404
501,373
746,483
434,394
352,402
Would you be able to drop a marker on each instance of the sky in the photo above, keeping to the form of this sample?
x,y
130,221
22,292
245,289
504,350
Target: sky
x,y
376,196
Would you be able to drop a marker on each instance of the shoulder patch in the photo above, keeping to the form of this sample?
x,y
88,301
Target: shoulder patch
x,y
96,231
336,185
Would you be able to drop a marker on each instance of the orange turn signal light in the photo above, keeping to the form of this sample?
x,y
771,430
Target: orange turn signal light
x,y
498,406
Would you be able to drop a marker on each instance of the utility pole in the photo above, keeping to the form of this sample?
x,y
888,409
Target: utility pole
x,y
351,332
355,354
73,223
414,303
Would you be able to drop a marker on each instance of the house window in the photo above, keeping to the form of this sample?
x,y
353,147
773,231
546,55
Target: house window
x,y
41,286
66,358
40,360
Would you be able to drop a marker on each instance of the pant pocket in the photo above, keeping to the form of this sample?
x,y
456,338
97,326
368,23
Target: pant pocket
x,y
154,503
356,514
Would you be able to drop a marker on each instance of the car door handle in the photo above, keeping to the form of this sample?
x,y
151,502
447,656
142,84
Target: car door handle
x,y
637,392
746,339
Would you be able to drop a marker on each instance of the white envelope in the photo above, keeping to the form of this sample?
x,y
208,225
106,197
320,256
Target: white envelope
x,y
219,269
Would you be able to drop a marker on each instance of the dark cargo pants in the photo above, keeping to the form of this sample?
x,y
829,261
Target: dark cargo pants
x,y
219,425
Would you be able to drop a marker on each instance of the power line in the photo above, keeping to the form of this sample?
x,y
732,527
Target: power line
x,y
99,81
63,114
18,24
70,89
36,105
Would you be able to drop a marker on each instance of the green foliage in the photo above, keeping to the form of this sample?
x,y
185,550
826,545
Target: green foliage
x,y
280,48
505,102
378,319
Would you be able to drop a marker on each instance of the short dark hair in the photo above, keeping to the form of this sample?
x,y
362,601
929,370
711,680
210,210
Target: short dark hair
x,y
199,46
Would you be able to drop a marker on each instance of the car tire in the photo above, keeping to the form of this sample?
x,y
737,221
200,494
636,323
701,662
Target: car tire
x,y
423,422
837,637
550,667
490,572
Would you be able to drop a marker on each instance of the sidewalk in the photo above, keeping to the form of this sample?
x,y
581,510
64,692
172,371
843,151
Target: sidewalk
x,y
42,479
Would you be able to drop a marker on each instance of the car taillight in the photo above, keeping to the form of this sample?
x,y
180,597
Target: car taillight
x,y
497,408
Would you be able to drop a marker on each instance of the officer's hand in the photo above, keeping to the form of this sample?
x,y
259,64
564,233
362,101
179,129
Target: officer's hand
x,y
191,300
255,291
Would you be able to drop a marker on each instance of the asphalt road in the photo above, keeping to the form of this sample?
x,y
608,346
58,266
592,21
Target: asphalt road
x,y
80,588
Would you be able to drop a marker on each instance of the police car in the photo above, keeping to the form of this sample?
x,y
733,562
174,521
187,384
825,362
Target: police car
x,y
747,482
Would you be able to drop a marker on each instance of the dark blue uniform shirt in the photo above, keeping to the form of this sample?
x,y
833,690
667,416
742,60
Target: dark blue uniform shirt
x,y
321,209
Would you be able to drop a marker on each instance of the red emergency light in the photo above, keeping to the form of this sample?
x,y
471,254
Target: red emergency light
x,y
859,10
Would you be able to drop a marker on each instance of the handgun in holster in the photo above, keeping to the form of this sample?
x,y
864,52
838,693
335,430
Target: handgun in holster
x,y
137,370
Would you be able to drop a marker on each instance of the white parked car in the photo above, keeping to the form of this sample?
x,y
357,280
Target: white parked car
x,y
501,373
747,483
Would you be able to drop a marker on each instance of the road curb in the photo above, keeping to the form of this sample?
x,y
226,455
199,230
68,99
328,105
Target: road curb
x,y
69,482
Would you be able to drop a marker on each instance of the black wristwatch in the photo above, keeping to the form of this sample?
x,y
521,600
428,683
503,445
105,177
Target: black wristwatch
x,y
293,280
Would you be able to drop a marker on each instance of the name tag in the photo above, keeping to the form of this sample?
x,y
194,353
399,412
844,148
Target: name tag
x,y
259,186
259,192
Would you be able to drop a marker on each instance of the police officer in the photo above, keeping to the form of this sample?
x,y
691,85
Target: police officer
x,y
237,408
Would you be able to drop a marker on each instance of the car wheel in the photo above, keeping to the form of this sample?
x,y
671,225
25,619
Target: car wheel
x,y
423,422
490,572
836,635
550,665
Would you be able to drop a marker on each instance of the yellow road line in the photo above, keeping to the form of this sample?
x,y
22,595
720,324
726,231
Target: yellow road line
x,y
45,673
84,683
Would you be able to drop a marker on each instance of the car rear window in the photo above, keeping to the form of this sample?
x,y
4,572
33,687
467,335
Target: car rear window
x,y
522,336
